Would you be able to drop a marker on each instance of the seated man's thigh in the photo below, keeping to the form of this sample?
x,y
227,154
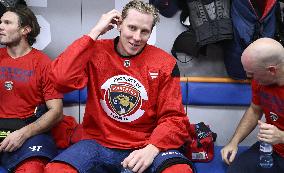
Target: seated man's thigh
x,y
167,160
41,145
278,162
89,156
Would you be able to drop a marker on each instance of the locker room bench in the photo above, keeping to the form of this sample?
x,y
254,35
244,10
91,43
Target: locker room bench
x,y
196,91
209,91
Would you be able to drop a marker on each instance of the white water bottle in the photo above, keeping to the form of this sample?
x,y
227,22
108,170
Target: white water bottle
x,y
265,157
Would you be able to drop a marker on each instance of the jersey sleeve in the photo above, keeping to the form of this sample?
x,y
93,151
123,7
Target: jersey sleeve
x,y
69,70
173,124
48,89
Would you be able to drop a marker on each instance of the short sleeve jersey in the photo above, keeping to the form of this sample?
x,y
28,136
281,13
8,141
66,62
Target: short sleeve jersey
x,y
271,101
24,83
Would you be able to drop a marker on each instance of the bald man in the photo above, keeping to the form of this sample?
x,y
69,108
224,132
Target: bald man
x,y
263,62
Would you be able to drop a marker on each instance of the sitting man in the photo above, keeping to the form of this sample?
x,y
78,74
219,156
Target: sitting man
x,y
263,61
25,85
134,118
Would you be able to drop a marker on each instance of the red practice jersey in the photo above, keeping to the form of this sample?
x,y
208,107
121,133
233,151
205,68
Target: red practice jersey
x,y
132,101
24,83
271,101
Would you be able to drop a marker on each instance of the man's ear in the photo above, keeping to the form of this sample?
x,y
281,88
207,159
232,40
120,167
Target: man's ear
x,y
26,30
119,26
272,69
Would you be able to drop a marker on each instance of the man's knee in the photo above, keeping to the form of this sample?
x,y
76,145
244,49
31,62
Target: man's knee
x,y
34,165
59,167
179,168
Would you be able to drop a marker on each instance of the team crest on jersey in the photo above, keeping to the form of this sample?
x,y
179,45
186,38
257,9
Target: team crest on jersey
x,y
8,85
273,116
126,63
123,98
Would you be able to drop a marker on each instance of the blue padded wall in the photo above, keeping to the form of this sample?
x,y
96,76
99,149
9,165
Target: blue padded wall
x,y
76,97
208,93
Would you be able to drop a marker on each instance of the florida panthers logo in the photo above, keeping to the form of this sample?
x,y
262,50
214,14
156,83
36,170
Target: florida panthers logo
x,y
123,98
273,116
8,85
120,101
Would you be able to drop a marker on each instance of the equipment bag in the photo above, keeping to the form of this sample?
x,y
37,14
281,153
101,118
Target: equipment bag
x,y
200,147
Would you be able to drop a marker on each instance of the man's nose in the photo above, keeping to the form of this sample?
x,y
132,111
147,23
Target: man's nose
x,y
1,26
137,36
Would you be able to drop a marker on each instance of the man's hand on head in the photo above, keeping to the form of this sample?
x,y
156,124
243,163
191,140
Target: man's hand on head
x,y
107,22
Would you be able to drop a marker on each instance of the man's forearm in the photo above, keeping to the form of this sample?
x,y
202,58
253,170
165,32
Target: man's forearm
x,y
247,124
47,120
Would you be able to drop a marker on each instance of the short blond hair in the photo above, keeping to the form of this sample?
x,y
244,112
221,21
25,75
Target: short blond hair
x,y
142,7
